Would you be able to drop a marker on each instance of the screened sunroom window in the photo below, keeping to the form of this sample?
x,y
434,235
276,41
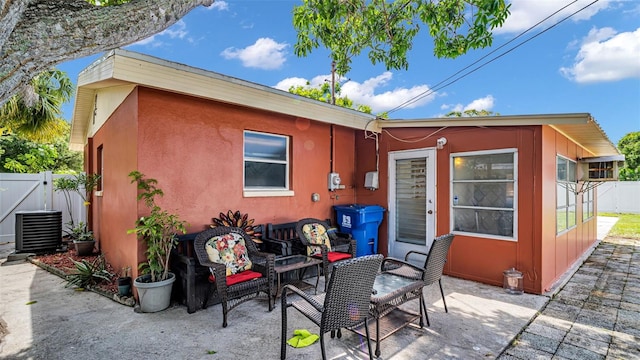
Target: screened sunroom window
x,y
565,195
266,161
484,189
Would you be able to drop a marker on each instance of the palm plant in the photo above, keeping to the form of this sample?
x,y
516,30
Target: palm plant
x,y
36,111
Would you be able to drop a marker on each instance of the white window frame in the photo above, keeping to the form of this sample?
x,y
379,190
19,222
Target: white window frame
x,y
569,183
267,191
514,181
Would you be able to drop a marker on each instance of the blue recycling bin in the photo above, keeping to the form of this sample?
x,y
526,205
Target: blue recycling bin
x,y
362,222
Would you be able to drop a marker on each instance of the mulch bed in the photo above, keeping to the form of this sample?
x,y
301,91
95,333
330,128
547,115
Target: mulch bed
x,y
61,264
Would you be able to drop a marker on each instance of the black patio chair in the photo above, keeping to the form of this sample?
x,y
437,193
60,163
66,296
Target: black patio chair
x,y
233,282
345,304
330,246
430,272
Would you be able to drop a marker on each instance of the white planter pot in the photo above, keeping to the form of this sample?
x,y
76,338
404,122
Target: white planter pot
x,y
154,296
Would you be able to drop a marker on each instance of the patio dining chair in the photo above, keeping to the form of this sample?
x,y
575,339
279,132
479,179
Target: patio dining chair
x,y
430,272
322,243
239,272
345,304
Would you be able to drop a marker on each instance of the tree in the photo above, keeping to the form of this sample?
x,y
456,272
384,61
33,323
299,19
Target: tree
x,y
388,28
21,155
323,93
471,113
629,145
35,35
33,113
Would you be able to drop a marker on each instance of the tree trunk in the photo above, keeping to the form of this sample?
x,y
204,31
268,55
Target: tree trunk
x,y
35,35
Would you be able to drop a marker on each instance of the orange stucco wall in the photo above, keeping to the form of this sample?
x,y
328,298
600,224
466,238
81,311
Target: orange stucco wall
x,y
194,148
116,210
538,253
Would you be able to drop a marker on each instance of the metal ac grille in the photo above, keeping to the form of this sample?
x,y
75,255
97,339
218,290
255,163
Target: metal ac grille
x,y
38,231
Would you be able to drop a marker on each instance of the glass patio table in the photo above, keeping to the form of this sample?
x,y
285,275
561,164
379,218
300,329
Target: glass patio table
x,y
389,292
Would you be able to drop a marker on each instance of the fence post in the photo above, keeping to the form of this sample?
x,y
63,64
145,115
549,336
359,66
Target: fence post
x,y
47,190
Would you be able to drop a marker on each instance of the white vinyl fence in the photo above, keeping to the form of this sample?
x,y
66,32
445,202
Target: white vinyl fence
x,y
622,197
29,192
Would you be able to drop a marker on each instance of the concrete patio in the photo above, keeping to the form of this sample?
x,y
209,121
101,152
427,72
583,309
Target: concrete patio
x,y
45,320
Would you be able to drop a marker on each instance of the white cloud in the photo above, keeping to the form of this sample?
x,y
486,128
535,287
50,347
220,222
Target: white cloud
x,y
176,31
485,103
606,56
265,53
218,5
526,13
365,93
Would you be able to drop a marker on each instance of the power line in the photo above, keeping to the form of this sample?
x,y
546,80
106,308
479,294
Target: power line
x,y
442,83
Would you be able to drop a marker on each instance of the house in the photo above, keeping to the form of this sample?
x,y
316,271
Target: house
x,y
506,185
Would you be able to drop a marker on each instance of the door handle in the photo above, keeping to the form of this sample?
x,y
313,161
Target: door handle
x,y
430,212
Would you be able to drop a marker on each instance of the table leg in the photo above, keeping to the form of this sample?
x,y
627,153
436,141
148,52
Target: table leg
x,y
317,277
377,337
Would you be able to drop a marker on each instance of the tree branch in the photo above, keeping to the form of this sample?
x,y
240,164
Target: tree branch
x,y
38,34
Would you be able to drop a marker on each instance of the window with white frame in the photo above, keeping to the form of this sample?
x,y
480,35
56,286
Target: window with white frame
x,y
565,195
588,207
266,161
484,191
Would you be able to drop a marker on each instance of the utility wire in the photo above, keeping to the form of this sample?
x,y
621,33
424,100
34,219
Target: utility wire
x,y
442,83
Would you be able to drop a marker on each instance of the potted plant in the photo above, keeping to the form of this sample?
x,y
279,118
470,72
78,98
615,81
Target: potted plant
x,y
83,239
81,184
158,232
124,282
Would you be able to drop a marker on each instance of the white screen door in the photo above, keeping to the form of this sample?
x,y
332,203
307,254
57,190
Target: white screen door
x,y
411,201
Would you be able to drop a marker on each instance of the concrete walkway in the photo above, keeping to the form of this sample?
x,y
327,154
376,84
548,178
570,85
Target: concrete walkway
x,y
595,315
45,320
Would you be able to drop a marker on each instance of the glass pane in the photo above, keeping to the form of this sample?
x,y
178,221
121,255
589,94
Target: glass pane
x,y
265,146
499,194
561,194
561,169
561,219
483,167
571,196
411,197
571,176
571,216
264,175
491,222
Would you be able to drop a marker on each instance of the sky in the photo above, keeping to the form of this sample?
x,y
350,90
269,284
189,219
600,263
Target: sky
x,y
583,59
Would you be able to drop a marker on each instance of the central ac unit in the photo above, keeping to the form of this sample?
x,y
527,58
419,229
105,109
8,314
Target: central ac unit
x,y
38,231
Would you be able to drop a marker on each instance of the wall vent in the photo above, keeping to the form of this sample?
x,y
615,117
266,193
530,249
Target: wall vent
x,y
38,231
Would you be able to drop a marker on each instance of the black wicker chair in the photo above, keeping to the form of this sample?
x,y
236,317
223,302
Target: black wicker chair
x,y
342,245
345,304
232,295
430,272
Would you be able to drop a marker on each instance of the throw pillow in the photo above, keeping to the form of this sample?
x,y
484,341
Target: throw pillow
x,y
316,234
230,250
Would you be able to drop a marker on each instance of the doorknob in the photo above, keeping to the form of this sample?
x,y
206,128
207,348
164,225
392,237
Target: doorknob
x,y
430,212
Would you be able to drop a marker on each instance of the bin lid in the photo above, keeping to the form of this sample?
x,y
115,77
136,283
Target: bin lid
x,y
359,208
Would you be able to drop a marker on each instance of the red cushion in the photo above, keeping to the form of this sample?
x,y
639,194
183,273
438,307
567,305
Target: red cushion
x,y
239,277
334,256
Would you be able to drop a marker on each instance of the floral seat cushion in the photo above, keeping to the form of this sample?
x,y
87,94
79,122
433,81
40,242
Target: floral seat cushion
x,y
230,250
316,234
